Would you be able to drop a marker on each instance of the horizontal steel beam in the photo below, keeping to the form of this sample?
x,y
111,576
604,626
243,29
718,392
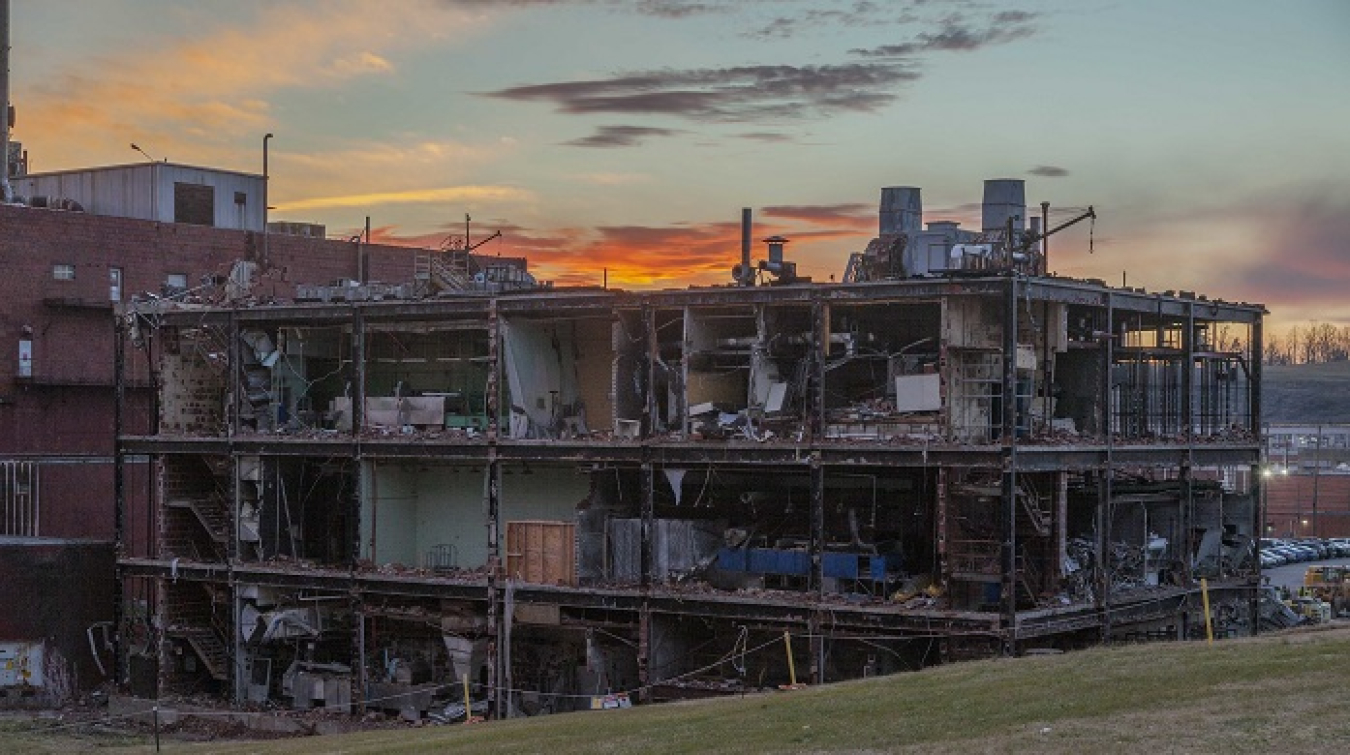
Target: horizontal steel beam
x,y
1031,458
603,303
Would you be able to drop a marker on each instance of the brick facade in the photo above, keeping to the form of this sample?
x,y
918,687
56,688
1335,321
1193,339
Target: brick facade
x,y
63,414
1290,504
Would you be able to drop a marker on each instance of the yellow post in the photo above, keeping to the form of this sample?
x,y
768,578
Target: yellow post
x,y
792,666
469,717
1209,623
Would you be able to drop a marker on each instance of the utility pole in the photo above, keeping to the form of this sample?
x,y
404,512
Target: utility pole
x,y
6,191
1317,468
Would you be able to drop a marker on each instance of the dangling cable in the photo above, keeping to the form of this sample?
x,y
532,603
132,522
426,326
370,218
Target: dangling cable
x,y
738,650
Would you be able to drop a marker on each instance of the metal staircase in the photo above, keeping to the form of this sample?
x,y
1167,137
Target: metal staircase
x,y
1035,506
208,647
210,512
202,624
437,271
1028,575
211,515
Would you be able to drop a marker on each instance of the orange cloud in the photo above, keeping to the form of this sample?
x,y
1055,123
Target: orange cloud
x,y
191,98
375,166
643,257
360,64
412,196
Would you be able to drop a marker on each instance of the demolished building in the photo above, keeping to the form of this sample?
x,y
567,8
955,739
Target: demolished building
x,y
558,498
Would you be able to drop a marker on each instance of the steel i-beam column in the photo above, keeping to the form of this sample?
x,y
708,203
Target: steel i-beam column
x,y
1008,514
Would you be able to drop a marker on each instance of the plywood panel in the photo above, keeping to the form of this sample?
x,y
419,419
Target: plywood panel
x,y
541,552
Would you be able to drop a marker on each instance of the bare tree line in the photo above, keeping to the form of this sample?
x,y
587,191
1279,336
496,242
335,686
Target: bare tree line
x,y
1317,343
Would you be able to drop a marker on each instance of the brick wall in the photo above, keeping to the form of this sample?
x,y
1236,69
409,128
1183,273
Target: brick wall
x,y
1289,505
67,409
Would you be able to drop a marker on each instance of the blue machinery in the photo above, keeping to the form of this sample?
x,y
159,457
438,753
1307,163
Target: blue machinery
x,y
877,568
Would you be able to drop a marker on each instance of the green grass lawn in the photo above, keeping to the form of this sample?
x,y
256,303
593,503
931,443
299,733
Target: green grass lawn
x,y
1279,693
1306,393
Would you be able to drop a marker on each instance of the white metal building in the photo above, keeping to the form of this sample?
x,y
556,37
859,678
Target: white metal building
x,y
162,191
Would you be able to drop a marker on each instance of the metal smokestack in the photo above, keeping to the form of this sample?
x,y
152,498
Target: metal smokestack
x,y
745,237
901,211
6,192
744,273
1004,198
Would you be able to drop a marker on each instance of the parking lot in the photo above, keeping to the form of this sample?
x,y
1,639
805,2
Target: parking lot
x,y
1291,575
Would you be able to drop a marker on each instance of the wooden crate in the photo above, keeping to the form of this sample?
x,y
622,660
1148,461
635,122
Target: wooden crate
x,y
541,552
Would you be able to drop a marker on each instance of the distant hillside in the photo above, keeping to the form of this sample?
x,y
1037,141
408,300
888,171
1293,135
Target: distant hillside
x,y
1307,394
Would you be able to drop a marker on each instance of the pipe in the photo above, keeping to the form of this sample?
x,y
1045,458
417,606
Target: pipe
x,y
363,255
1045,242
6,191
743,273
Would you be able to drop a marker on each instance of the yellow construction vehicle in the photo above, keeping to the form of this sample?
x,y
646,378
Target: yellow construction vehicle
x,y
1330,584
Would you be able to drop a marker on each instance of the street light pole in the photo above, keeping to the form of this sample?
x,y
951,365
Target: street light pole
x,y
266,180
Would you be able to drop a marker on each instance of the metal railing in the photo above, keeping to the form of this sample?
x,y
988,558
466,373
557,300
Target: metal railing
x,y
20,498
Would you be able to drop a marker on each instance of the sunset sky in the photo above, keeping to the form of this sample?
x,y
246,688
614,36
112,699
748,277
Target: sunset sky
x,y
1213,137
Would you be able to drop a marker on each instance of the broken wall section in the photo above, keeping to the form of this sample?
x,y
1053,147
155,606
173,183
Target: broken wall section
x,y
295,648
434,516
194,381
882,376
557,376
289,375
295,509
748,372
429,378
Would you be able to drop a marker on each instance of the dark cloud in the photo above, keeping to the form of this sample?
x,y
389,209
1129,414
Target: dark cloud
x,y
487,4
861,13
854,215
956,210
769,137
779,28
772,92
1306,268
956,36
1049,171
677,8
744,93
829,234
674,9
620,136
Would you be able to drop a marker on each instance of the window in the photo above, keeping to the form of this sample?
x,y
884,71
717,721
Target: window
x,y
63,272
114,284
175,283
194,204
